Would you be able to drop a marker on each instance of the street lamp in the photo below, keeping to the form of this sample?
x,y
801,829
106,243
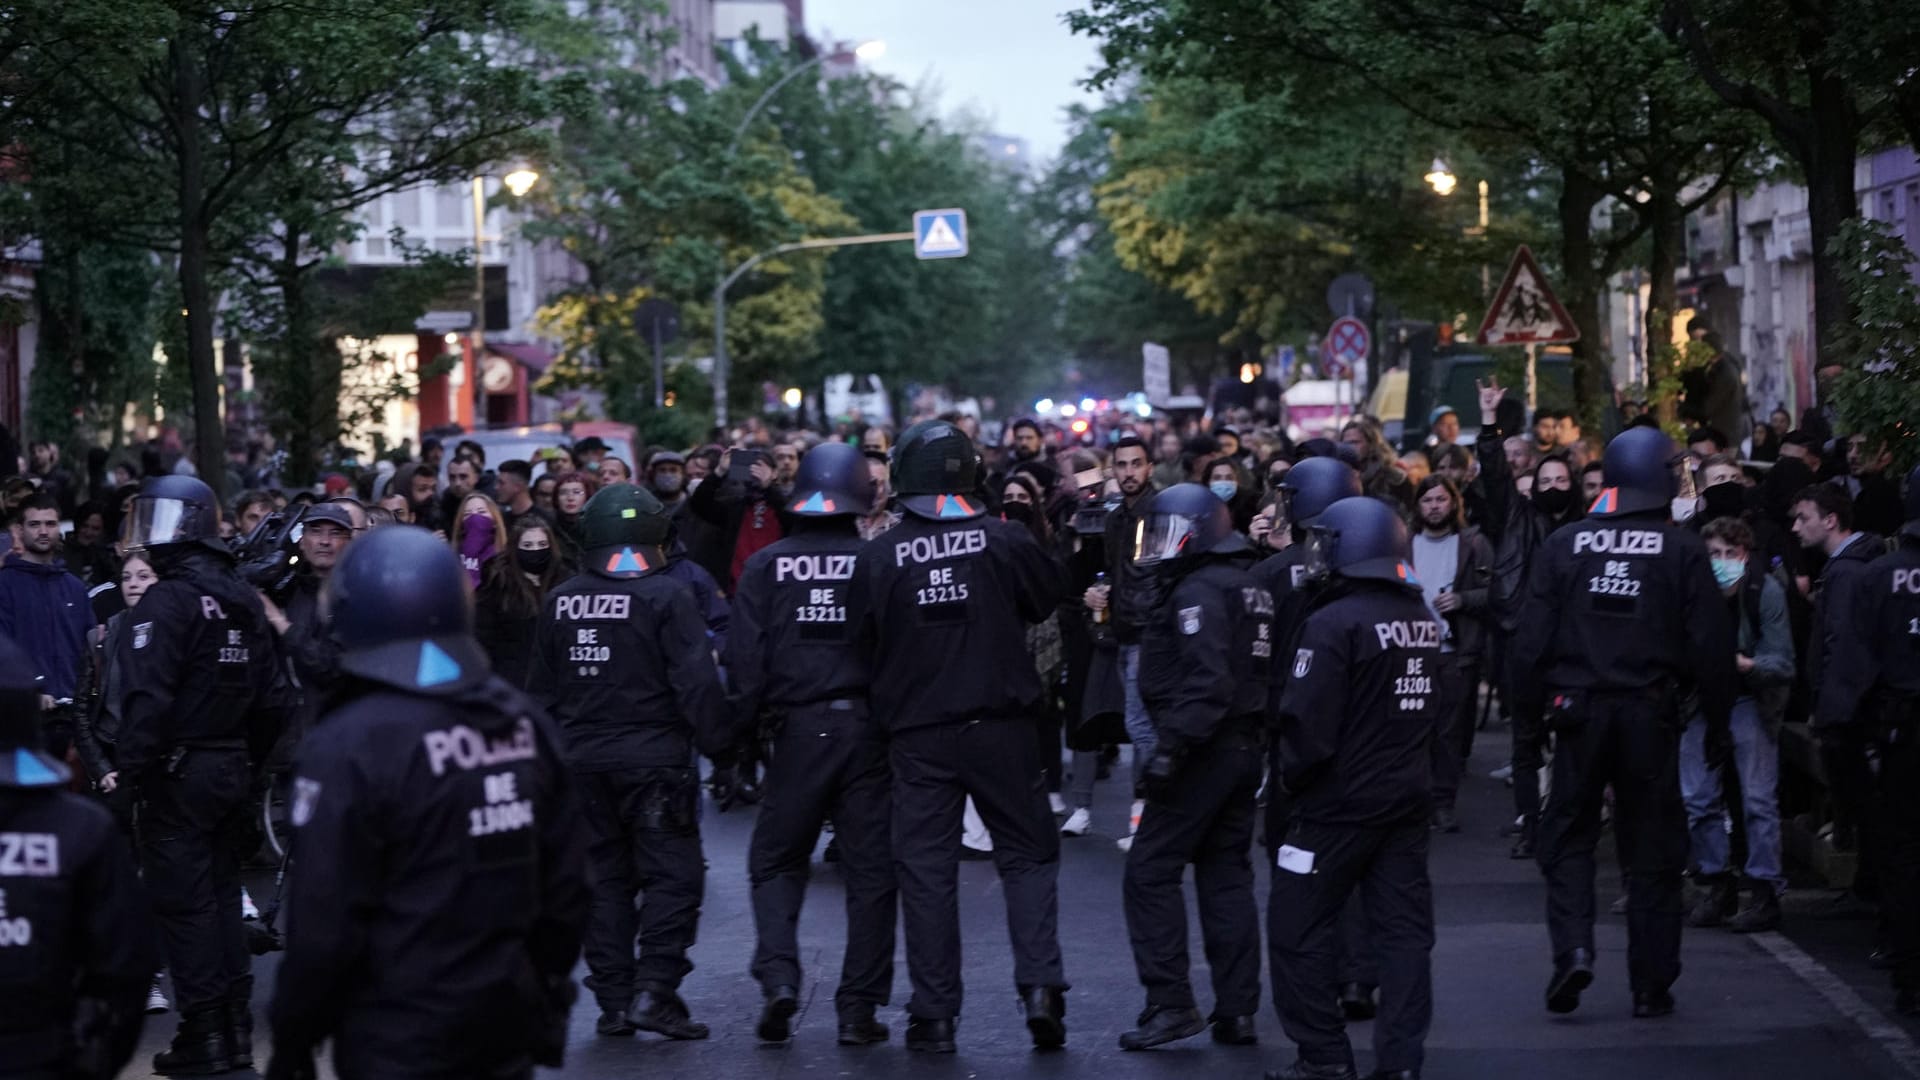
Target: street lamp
x,y
1443,182
519,181
1441,178
866,50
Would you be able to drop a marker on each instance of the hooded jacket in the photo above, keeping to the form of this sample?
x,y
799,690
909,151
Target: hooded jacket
x,y
46,610
1515,526
1836,609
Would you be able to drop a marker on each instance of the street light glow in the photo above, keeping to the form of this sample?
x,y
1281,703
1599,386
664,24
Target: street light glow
x,y
870,50
792,397
1441,178
520,181
1044,405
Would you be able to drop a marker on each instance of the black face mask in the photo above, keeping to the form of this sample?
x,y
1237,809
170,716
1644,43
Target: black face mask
x,y
1553,501
1726,499
532,561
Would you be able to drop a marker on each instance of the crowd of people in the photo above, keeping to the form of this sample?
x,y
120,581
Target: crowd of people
x,y
824,617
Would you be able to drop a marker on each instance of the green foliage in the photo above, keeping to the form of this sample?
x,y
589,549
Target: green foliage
x,y
1877,392
99,311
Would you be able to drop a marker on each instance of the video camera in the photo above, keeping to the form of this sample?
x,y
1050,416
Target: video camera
x,y
269,556
1091,512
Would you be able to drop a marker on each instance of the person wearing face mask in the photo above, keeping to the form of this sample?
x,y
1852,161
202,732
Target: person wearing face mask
x,y
1757,600
1229,482
506,606
667,478
477,535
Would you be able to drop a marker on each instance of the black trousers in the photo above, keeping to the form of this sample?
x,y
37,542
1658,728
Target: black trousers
x,y
1844,753
1206,820
1900,833
1454,741
1630,740
643,841
191,822
934,770
1387,866
828,761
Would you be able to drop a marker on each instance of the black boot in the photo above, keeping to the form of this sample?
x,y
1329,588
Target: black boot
x,y
1046,1017
1161,1024
1716,905
240,1023
1572,973
201,1046
776,1016
1761,913
1235,1031
859,1028
1356,1001
1307,1070
929,1036
663,1013
1648,1004
613,1022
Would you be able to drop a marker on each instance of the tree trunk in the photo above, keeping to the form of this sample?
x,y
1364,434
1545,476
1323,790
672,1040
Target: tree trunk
x,y
300,399
1831,202
1667,230
196,292
1581,293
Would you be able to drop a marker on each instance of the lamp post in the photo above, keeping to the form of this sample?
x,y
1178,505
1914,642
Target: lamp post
x,y
519,181
866,50
1443,182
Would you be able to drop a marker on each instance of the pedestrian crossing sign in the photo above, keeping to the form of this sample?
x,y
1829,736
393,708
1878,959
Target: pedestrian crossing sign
x,y
939,234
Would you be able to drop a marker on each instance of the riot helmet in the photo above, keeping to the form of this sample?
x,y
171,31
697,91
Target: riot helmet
x,y
834,479
1315,484
1185,522
1643,470
1360,537
403,613
23,761
172,510
935,472
624,530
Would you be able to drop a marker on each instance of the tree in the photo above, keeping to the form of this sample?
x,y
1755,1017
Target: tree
x,y
1877,390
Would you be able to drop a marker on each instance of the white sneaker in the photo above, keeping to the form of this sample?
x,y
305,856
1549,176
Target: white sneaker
x,y
1504,772
157,999
247,910
1077,823
1056,803
1125,843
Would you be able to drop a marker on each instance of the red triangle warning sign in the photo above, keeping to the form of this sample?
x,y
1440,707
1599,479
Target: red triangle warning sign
x,y
1525,311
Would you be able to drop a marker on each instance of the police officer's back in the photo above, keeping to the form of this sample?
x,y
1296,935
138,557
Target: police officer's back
x,y
1358,717
1206,655
1622,614
438,884
949,594
622,659
1872,675
200,672
76,934
796,656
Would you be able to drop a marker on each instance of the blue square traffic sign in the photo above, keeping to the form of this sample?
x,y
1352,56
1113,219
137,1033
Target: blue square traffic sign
x,y
939,234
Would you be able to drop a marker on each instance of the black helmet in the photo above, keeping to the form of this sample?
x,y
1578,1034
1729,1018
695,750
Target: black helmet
x,y
23,764
1315,484
1643,470
624,530
1186,521
403,613
833,479
935,471
1360,537
175,510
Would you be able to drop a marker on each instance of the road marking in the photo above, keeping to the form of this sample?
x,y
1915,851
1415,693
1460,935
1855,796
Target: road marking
x,y
1892,1038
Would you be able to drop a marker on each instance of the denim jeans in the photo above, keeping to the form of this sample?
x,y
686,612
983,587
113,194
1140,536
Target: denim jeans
x,y
1139,726
1756,756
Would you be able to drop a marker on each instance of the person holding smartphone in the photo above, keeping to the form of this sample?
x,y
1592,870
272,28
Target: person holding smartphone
x,y
745,501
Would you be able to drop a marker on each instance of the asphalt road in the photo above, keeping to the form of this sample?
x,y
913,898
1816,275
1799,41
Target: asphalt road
x,y
1801,1004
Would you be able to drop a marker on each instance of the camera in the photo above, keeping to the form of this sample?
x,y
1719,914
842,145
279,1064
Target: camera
x,y
269,556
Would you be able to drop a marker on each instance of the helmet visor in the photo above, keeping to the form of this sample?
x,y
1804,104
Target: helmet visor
x,y
157,521
1318,560
1161,536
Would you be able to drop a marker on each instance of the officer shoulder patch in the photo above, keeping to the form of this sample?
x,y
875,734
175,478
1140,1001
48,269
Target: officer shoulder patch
x,y
142,634
306,795
1302,663
1189,621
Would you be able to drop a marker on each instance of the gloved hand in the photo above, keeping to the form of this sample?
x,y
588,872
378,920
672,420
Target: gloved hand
x,y
1158,777
292,1063
1718,749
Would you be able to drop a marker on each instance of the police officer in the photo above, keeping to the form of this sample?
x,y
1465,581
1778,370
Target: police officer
x,y
76,934
1871,675
199,669
438,885
949,593
1206,651
1358,718
794,653
621,659
1621,611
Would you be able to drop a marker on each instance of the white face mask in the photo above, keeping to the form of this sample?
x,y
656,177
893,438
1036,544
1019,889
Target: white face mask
x,y
1684,508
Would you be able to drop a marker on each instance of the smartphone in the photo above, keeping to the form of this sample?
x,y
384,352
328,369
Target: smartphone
x,y
742,461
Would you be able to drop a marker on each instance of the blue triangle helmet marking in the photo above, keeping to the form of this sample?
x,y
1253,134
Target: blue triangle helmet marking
x,y
628,562
29,770
436,666
815,505
952,507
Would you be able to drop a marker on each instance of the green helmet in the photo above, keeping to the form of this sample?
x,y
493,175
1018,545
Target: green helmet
x,y
624,529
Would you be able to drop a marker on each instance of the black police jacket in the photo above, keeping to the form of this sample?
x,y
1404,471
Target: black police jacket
x,y
436,904
199,665
1623,603
1869,630
625,667
796,638
1206,655
1361,706
74,924
947,604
